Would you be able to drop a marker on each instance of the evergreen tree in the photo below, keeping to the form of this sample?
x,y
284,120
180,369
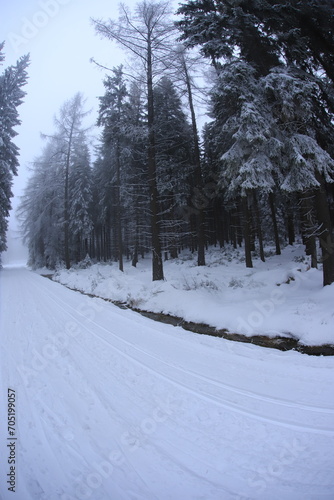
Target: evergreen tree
x,y
263,31
174,160
245,143
12,81
264,131
306,161
136,198
120,172
223,28
81,197
245,130
113,117
102,202
41,210
303,31
55,210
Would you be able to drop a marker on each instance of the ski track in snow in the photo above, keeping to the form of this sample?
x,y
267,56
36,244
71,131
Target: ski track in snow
x,y
159,372
126,408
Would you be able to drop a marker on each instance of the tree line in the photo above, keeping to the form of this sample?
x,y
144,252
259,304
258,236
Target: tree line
x,y
261,171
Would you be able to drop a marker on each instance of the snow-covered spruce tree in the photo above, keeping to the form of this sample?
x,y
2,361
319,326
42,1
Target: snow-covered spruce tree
x,y
263,32
147,35
267,136
69,136
103,201
41,209
222,28
174,162
301,32
244,132
219,213
12,81
306,163
247,127
113,113
136,189
55,210
80,200
120,173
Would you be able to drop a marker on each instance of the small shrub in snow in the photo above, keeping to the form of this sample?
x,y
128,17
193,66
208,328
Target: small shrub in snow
x,y
186,284
86,263
194,284
133,302
235,283
94,284
300,259
185,256
269,252
209,285
60,266
96,280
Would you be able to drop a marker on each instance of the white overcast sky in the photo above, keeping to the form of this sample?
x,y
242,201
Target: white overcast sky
x,y
61,40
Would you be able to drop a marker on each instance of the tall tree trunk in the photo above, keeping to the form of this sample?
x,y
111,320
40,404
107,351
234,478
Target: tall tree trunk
x,y
247,231
119,211
157,265
66,224
258,225
67,201
201,238
103,244
326,232
274,219
136,245
234,225
198,170
309,226
290,225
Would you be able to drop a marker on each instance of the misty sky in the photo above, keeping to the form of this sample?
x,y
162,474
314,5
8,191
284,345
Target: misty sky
x,y
61,40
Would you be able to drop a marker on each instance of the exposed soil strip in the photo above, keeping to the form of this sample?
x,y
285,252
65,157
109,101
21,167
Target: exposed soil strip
x,y
280,343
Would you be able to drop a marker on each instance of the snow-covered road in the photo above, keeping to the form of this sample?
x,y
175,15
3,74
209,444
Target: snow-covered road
x,y
112,406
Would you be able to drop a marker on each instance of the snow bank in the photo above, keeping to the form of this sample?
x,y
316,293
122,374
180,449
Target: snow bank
x,y
282,296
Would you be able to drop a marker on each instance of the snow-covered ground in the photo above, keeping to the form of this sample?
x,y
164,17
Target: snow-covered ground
x,y
112,406
280,297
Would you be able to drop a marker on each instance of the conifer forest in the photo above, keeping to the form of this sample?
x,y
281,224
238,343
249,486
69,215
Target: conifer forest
x,y
167,332
158,179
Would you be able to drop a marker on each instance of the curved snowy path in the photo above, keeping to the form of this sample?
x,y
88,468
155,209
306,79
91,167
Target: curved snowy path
x,y
113,406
